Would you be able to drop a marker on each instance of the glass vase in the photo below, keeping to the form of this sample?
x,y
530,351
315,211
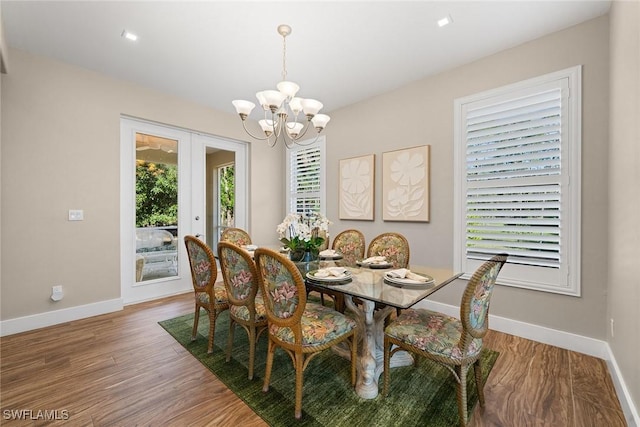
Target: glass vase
x,y
310,255
296,255
304,255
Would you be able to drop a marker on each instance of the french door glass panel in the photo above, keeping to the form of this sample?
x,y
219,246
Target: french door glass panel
x,y
155,207
225,186
156,218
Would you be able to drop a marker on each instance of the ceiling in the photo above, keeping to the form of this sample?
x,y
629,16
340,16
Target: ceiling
x,y
339,52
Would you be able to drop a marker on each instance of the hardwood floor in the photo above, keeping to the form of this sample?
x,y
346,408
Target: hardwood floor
x,y
534,384
123,369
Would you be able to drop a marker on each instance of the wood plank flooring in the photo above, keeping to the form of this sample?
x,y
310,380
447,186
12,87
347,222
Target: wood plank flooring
x,y
123,369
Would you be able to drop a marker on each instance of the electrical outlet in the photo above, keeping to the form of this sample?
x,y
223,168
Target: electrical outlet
x,y
56,293
612,329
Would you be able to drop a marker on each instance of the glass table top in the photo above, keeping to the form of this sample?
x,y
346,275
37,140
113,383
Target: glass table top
x,y
370,284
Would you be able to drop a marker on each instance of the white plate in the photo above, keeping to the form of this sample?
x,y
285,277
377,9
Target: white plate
x,y
380,265
336,256
345,276
409,282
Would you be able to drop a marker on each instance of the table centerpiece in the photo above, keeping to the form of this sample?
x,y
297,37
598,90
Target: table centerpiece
x,y
304,235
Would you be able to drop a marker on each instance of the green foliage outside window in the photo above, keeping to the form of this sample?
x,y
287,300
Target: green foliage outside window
x,y
226,177
156,194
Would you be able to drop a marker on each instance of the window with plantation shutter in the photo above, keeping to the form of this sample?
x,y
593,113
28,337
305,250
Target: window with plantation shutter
x,y
306,178
517,185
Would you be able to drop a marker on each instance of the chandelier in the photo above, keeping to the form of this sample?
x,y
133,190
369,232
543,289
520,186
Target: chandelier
x,y
282,108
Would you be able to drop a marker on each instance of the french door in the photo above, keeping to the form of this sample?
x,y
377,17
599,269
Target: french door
x,y
166,193
209,155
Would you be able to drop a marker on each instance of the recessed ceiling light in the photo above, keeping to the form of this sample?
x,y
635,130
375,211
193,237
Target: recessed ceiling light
x,y
445,21
129,36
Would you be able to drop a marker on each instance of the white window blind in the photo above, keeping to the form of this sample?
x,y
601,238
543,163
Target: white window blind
x,y
513,179
517,174
305,181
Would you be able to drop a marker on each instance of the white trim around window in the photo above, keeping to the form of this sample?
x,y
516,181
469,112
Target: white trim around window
x,y
517,183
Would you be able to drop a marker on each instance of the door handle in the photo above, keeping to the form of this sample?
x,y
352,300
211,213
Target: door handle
x,y
198,235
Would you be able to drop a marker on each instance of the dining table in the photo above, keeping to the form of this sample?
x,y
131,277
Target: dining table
x,y
372,296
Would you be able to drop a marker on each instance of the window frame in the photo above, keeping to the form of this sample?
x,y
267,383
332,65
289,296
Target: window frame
x,y
291,153
566,279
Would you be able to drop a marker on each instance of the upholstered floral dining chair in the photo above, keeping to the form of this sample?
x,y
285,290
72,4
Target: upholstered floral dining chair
x,y
351,244
393,246
301,328
237,236
453,343
209,295
246,307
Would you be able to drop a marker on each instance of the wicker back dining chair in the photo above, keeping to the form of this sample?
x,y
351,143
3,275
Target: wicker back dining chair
x,y
351,244
209,295
393,246
301,328
246,307
455,344
237,236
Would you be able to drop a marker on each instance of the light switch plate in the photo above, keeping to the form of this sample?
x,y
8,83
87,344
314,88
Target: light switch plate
x,y
76,215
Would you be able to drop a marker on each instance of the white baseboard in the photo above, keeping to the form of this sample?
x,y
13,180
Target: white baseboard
x,y
554,337
49,318
630,412
159,296
566,340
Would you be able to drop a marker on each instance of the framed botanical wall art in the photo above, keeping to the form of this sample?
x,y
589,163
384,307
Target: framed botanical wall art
x,y
405,184
357,187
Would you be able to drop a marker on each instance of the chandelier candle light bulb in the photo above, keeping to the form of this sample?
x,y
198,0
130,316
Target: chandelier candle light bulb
x,y
283,104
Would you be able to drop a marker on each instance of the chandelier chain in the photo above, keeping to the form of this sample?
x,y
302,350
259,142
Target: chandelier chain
x,y
284,57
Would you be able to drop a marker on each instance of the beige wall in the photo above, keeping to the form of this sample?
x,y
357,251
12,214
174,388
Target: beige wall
x,y
422,113
624,192
60,133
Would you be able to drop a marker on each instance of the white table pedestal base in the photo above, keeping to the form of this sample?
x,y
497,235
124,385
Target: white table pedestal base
x,y
371,357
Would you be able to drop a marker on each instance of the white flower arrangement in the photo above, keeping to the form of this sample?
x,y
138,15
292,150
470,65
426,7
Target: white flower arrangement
x,y
301,231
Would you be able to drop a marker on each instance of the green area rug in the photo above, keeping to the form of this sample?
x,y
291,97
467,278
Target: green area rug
x,y
418,396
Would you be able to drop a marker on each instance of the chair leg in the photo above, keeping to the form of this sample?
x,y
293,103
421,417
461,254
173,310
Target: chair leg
x,y
212,329
462,394
267,372
196,318
230,338
252,349
299,361
477,369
